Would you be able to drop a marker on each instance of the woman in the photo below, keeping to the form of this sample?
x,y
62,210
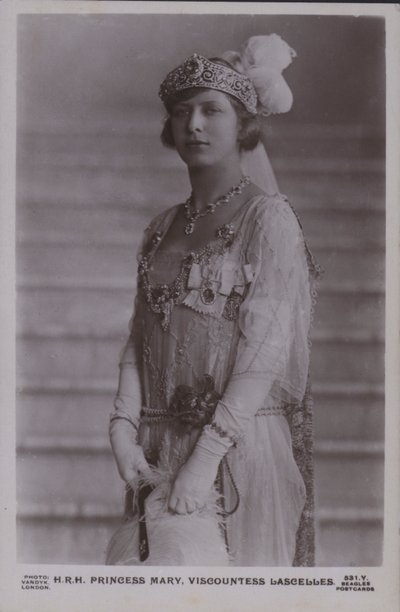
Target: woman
x,y
212,402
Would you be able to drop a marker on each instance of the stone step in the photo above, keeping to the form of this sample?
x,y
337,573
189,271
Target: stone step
x,y
158,188
74,309
59,539
61,535
339,165
349,473
47,470
353,416
53,260
68,222
66,306
338,142
304,195
66,470
341,412
49,224
352,266
349,229
113,260
339,309
65,412
122,160
97,142
96,356
349,538
130,185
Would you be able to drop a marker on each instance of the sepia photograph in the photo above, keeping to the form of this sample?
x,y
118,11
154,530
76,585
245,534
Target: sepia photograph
x,y
200,247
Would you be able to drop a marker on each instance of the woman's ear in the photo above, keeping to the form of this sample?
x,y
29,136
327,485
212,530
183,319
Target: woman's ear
x,y
167,137
240,130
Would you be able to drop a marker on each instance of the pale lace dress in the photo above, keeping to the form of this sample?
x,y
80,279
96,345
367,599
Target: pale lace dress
x,y
252,326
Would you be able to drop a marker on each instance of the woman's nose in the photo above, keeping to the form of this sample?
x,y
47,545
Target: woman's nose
x,y
195,122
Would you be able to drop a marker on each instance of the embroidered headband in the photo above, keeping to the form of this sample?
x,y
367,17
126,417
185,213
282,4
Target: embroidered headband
x,y
198,71
255,77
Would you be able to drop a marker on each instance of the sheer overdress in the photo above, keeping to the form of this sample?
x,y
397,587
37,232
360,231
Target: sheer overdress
x,y
242,317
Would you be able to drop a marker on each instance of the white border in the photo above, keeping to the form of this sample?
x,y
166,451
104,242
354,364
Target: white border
x,y
176,598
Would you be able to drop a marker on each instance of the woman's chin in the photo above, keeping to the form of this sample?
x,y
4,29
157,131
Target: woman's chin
x,y
197,156
197,161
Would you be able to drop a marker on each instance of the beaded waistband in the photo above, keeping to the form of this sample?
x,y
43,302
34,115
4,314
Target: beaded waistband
x,y
268,410
188,406
154,415
194,408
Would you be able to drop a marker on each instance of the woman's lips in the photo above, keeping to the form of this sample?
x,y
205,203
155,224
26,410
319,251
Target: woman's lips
x,y
196,143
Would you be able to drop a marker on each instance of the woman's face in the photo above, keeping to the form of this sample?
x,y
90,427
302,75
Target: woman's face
x,y
205,129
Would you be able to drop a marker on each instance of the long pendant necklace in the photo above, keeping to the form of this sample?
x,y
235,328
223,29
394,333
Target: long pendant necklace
x,y
162,298
193,216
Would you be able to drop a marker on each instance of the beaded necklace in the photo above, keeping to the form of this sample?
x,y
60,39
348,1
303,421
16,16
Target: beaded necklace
x,y
193,216
162,298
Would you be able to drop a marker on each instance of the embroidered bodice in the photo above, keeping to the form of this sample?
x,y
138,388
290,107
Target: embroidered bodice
x,y
237,310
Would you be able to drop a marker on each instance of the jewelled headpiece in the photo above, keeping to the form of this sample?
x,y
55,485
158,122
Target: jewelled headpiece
x,y
198,71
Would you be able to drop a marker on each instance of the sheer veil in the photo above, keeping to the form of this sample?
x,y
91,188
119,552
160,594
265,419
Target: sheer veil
x,y
256,165
263,59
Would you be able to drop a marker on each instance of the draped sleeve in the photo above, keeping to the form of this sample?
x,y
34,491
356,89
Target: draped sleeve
x,y
272,359
128,399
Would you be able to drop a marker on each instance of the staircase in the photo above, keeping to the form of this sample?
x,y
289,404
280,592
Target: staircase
x,y
83,201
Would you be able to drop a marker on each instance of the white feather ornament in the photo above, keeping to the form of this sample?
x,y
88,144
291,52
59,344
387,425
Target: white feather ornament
x,y
262,59
180,540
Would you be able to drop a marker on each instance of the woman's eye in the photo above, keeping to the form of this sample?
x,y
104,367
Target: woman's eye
x,y
212,110
180,112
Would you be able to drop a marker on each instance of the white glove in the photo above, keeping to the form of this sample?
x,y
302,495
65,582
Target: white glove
x,y
131,462
196,477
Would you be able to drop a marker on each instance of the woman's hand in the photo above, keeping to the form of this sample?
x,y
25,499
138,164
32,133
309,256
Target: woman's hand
x,y
194,482
129,456
132,464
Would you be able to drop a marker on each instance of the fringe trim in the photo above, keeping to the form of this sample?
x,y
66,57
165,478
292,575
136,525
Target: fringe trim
x,y
194,539
301,426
